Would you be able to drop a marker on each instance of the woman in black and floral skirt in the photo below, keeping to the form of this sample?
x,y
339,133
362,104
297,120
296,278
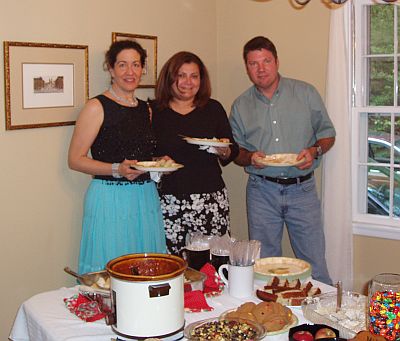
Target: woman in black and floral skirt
x,y
194,198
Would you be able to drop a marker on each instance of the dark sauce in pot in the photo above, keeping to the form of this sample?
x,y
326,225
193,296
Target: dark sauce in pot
x,y
146,267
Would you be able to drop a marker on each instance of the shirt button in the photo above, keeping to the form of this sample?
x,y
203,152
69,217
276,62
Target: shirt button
x,y
276,139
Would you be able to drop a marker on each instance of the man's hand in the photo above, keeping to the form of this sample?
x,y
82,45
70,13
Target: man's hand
x,y
255,159
308,154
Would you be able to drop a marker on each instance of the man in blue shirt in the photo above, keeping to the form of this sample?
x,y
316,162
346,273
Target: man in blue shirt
x,y
281,115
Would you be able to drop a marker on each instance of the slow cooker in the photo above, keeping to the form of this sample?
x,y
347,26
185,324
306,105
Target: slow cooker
x,y
147,295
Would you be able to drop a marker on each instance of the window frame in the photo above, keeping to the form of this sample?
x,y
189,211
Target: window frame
x,y
365,223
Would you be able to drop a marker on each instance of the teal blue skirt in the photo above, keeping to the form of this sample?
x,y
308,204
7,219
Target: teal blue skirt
x,y
119,218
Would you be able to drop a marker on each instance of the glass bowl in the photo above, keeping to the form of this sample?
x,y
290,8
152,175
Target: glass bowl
x,y
349,319
207,326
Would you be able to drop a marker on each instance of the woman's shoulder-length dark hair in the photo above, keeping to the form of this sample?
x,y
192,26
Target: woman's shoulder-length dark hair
x,y
169,74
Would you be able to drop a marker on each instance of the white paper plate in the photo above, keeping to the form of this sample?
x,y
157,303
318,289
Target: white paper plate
x,y
206,142
281,160
151,166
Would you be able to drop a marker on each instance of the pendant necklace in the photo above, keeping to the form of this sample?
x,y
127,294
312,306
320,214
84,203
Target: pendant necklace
x,y
132,103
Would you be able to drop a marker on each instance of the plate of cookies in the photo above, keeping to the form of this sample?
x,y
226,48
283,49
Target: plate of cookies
x,y
273,316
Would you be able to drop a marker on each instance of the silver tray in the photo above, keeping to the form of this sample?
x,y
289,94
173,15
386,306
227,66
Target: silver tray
x,y
349,320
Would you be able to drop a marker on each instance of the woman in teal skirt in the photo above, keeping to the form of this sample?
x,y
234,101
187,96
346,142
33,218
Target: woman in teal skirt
x,y
122,209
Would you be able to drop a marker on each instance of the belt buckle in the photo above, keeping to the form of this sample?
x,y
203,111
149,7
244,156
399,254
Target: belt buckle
x,y
282,180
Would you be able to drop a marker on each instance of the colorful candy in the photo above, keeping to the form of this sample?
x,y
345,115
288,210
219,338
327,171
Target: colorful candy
x,y
384,314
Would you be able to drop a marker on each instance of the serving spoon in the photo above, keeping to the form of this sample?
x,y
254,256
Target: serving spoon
x,y
84,279
338,295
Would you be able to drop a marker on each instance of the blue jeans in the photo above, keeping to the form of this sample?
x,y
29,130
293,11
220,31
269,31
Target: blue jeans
x,y
270,205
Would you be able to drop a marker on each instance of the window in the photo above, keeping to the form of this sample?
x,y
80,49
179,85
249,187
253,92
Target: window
x,y
376,118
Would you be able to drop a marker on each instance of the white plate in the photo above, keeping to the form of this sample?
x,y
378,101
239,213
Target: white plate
x,y
151,166
281,267
206,142
281,160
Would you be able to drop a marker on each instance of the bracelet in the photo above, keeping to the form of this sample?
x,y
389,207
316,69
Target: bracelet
x,y
115,171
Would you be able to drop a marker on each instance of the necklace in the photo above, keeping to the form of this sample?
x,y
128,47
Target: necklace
x,y
132,103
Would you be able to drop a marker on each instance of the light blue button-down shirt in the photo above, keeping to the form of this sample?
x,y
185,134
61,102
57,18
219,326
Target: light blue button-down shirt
x,y
294,119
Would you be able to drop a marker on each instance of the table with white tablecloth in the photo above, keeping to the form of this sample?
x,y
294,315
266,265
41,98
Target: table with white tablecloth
x,y
44,317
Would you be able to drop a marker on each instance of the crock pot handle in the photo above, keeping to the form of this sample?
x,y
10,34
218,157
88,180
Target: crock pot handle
x,y
159,290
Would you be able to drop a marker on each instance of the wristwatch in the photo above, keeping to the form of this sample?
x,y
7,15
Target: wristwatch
x,y
319,150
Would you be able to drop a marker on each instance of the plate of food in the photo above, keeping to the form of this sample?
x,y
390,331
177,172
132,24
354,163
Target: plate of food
x,y
281,267
273,316
218,328
289,293
281,160
157,166
214,142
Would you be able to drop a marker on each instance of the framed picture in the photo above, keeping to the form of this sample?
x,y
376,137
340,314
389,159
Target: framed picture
x,y
46,85
149,43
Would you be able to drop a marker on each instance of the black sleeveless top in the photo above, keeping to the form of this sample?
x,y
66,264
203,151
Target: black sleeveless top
x,y
125,133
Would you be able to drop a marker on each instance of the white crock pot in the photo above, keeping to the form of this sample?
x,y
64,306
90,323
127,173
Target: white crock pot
x,y
147,295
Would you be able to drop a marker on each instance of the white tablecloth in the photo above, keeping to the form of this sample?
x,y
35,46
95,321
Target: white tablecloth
x,y
44,317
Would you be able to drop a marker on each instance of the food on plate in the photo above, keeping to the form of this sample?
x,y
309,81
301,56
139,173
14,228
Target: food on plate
x,y
287,292
214,139
324,333
224,330
158,164
281,267
273,316
303,335
103,283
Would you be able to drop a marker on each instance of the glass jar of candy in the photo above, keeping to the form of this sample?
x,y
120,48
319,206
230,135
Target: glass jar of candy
x,y
384,306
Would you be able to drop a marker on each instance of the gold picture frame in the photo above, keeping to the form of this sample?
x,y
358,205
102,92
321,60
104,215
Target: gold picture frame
x,y
46,85
149,43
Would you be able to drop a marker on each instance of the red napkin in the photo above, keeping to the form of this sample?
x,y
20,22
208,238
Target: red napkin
x,y
213,284
86,309
195,302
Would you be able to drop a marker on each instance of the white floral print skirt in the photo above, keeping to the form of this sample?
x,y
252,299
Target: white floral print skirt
x,y
206,212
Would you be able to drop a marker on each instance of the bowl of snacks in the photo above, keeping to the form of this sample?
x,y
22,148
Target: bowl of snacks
x,y
224,329
349,319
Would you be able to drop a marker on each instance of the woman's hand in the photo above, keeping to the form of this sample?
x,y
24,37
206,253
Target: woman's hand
x,y
223,152
127,171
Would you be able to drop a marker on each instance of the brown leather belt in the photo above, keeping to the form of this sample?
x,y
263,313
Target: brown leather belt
x,y
288,181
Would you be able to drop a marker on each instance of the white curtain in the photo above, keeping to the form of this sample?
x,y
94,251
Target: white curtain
x,y
336,173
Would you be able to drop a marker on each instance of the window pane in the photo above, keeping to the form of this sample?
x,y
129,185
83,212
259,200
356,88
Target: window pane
x,y
381,29
396,194
378,190
381,87
379,141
